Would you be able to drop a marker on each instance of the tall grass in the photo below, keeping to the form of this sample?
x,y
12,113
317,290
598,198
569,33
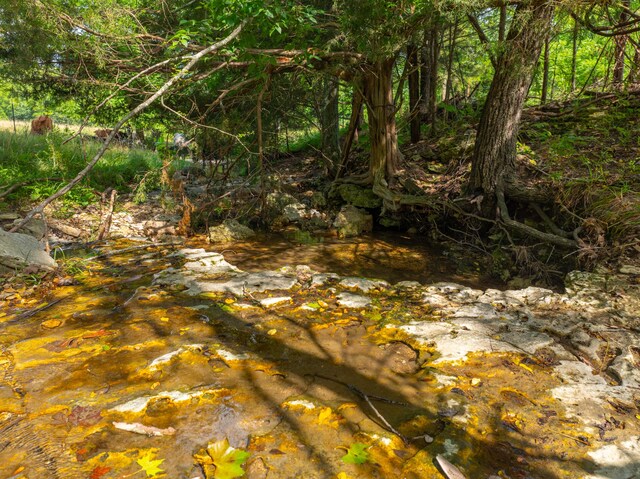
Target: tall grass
x,y
31,158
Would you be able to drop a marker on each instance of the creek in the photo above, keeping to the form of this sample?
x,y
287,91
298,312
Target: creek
x,y
157,352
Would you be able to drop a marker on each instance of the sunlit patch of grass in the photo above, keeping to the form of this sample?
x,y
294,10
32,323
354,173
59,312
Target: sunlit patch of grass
x,y
47,163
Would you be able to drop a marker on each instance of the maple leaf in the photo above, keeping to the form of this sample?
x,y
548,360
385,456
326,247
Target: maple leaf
x,y
226,459
357,454
99,471
150,465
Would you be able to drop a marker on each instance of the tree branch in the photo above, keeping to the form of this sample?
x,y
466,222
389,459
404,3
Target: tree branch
x,y
38,210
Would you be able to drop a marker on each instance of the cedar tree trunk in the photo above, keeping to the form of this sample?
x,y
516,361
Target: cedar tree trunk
x,y
414,92
329,124
378,94
494,154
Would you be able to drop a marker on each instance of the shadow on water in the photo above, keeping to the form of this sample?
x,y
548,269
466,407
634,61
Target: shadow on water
x,y
389,256
295,388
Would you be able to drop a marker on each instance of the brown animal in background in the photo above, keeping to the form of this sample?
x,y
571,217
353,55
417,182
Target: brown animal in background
x,y
102,134
41,125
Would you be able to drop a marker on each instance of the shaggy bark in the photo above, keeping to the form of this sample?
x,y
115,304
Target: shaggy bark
x,y
414,93
329,125
495,148
378,94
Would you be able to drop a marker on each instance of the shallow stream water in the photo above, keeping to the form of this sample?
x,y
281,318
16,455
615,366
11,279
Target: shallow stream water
x,y
114,377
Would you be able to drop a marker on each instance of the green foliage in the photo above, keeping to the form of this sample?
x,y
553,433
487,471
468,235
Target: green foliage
x,y
357,454
47,164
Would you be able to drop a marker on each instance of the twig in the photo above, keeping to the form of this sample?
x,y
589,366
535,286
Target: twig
x,y
33,312
366,397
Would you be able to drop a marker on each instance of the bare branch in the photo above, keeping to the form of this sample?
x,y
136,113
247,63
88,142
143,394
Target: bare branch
x,y
38,210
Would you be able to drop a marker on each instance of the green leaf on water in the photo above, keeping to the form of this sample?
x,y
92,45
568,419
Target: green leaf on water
x,y
357,454
227,460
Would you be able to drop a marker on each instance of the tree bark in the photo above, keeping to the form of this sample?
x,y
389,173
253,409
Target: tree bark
x,y
414,93
574,54
381,111
545,72
502,25
329,124
430,53
494,154
620,42
352,133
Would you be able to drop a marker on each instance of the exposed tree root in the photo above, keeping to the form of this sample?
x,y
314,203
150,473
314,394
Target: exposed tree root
x,y
514,225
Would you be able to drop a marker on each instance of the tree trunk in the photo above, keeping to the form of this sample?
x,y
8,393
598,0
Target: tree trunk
x,y
329,124
453,35
502,25
414,93
431,93
352,133
574,54
620,42
381,111
545,72
495,148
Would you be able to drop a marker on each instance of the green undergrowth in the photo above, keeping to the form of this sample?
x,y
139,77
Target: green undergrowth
x,y
45,163
592,160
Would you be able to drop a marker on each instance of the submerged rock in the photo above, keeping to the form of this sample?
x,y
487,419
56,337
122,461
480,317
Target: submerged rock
x,y
209,272
228,231
18,251
352,221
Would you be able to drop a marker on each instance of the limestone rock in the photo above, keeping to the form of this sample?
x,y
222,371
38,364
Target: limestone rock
x,y
17,251
228,231
270,302
349,300
363,284
352,221
35,227
159,228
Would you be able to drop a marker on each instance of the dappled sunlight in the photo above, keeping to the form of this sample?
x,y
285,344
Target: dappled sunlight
x,y
121,377
381,255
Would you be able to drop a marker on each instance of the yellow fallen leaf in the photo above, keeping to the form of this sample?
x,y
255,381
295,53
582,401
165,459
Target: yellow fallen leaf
x,y
51,323
164,319
525,367
271,332
229,301
150,466
324,416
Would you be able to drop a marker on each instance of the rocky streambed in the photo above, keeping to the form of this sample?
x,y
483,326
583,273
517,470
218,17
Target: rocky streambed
x,y
166,361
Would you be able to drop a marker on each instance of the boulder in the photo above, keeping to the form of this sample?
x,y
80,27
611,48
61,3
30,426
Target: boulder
x,y
352,221
294,212
229,230
35,227
18,251
359,197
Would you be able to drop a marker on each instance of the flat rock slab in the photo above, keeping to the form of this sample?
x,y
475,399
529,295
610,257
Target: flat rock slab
x,y
349,300
617,461
363,284
209,272
271,302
